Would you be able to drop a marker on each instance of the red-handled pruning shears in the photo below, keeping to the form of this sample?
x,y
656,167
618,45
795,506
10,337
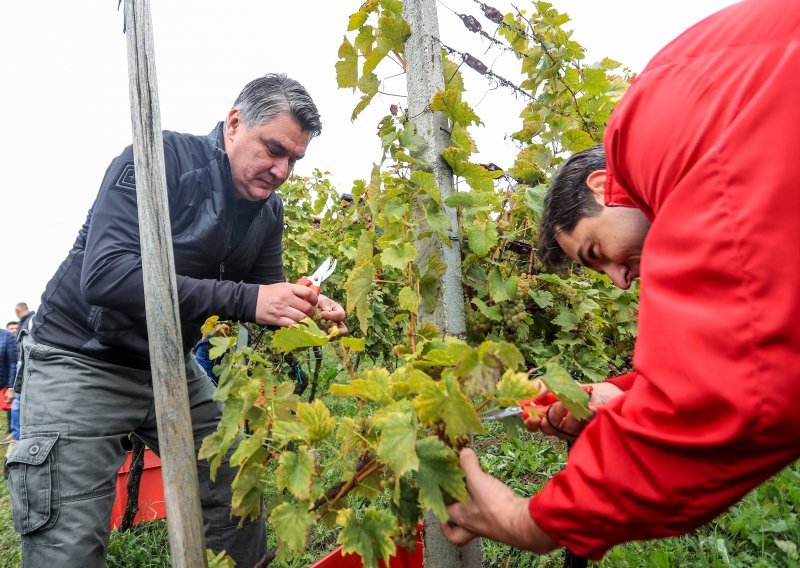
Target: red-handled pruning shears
x,y
319,276
538,404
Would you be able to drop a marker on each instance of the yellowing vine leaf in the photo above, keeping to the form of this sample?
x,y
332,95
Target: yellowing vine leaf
x,y
397,446
569,392
514,387
450,103
399,256
375,386
358,285
294,473
318,420
408,300
299,336
347,66
443,401
369,536
221,345
355,344
294,522
439,474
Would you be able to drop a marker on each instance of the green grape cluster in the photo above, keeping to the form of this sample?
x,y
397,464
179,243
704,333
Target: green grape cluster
x,y
524,282
513,312
477,322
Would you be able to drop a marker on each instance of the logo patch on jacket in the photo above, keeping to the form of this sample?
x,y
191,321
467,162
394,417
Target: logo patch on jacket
x,y
126,183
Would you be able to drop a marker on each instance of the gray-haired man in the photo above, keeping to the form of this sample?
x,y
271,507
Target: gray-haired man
x,y
86,374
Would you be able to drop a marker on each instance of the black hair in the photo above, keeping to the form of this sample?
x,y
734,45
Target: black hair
x,y
569,200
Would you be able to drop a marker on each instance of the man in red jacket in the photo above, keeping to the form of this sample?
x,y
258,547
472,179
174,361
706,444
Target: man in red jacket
x,y
698,197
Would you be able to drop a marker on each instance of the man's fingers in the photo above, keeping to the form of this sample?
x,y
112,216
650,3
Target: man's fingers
x,y
305,293
457,535
470,463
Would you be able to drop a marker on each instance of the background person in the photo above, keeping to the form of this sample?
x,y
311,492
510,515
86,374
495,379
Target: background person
x,y
698,198
86,373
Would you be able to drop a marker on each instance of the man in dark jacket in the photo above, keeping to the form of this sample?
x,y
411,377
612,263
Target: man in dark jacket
x,y
86,373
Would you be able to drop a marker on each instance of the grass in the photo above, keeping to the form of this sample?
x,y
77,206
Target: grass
x,y
762,531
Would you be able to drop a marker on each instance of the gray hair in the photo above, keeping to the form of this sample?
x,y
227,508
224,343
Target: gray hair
x,y
266,97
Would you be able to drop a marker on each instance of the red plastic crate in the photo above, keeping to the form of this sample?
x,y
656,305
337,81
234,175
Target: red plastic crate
x,y
151,492
402,558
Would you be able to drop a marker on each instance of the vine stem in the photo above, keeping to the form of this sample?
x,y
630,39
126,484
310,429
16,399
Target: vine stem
x,y
412,320
352,373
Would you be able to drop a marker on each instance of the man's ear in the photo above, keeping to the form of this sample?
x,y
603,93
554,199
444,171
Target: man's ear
x,y
596,182
232,123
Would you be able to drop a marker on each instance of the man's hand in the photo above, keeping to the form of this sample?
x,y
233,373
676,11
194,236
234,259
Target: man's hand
x,y
332,311
9,395
560,423
284,304
493,511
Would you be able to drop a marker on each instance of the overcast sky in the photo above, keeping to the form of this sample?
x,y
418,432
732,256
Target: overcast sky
x,y
64,94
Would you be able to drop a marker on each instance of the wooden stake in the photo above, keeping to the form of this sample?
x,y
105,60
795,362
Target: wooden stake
x,y
175,438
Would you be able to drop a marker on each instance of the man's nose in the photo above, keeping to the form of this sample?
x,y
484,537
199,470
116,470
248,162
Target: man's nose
x,y
619,274
280,169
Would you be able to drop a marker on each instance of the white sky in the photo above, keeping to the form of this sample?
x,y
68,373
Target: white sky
x,y
64,93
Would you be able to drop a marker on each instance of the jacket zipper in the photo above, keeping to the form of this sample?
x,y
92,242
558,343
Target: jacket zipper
x,y
221,270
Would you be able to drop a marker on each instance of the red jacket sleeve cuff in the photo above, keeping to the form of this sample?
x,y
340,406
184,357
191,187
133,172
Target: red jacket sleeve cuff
x,y
623,382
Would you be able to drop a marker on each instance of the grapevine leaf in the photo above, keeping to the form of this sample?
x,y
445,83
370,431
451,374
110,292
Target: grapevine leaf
x,y
408,300
399,256
501,288
480,374
221,560
430,282
347,66
452,76
357,20
507,352
569,392
436,218
565,319
426,183
355,343
370,536
247,491
395,209
543,298
514,387
439,474
285,431
460,138
211,324
443,401
375,386
409,138
294,521
493,313
317,418
482,237
368,84
294,473
358,286
450,103
299,336
221,346
466,199
397,446
576,140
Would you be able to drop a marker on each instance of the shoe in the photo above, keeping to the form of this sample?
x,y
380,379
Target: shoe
x,y
7,440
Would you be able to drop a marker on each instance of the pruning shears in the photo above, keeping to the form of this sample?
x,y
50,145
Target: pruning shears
x,y
319,275
538,404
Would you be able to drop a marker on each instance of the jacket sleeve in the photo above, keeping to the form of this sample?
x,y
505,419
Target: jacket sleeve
x,y
268,267
112,266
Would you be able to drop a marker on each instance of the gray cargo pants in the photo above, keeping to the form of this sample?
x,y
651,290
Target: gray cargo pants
x,y
62,472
